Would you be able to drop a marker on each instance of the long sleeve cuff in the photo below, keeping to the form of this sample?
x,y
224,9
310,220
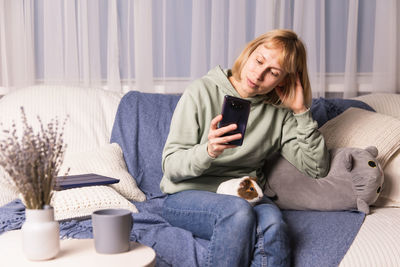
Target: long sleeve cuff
x,y
201,157
305,119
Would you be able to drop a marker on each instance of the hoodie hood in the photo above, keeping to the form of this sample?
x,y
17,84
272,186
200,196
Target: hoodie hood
x,y
220,77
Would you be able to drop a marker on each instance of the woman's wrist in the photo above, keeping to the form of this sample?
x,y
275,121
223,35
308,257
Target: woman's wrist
x,y
211,155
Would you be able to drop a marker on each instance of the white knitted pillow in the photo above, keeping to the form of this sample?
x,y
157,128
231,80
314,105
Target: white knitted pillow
x,y
362,128
107,160
82,202
72,203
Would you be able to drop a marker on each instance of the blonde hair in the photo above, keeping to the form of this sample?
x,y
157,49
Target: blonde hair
x,y
293,61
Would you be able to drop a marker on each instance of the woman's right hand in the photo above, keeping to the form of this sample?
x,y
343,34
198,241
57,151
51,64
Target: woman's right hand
x,y
218,143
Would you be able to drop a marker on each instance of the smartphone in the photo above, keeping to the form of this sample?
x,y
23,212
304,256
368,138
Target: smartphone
x,y
235,111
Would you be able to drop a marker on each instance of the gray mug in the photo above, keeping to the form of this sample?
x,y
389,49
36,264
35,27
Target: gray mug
x,y
111,230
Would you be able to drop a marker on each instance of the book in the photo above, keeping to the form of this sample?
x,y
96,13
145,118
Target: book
x,y
81,180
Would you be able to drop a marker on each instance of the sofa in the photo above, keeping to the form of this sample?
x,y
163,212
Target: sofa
x,y
122,135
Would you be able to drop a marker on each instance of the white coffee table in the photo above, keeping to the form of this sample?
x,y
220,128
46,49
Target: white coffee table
x,y
74,252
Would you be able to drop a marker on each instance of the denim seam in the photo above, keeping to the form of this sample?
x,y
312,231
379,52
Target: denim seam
x,y
211,247
260,245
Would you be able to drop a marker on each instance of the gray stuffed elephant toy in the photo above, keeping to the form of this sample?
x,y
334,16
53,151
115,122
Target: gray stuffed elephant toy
x,y
354,181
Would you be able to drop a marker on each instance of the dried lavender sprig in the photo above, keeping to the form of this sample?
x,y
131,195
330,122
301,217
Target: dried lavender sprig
x,y
33,161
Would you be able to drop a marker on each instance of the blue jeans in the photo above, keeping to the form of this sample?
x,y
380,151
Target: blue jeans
x,y
239,234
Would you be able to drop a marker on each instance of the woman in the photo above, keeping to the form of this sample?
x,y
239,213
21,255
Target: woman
x,y
271,72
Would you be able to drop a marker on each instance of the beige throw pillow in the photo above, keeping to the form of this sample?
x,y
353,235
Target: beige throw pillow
x,y
361,128
107,160
384,103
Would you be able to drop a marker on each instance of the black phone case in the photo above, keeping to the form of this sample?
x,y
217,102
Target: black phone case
x,y
235,110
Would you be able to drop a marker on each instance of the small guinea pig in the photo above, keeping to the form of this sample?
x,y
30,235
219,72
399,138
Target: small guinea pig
x,y
245,187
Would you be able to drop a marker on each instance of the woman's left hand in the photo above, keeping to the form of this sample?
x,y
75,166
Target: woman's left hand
x,y
297,103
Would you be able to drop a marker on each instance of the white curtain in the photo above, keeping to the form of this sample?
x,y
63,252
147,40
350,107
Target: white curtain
x,y
308,22
162,45
350,76
386,68
16,44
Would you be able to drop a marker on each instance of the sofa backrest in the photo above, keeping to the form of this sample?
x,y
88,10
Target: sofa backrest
x,y
141,128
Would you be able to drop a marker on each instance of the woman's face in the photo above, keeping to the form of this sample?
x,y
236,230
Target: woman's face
x,y
261,73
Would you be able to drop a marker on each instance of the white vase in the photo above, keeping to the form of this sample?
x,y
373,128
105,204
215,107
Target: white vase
x,y
40,234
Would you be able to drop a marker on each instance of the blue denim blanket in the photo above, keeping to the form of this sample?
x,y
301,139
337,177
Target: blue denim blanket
x,y
141,128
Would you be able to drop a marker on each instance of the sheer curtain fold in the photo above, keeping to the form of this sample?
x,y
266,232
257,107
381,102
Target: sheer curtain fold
x,y
110,44
29,67
3,48
53,41
307,23
218,42
237,29
385,47
265,16
71,59
129,51
143,43
96,61
83,42
321,81
350,74
16,44
199,56
398,50
113,74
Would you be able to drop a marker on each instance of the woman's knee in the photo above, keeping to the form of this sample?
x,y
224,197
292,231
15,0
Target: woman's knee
x,y
270,218
269,213
241,213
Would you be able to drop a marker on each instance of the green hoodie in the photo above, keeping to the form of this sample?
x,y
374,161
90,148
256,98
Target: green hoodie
x,y
185,160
